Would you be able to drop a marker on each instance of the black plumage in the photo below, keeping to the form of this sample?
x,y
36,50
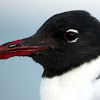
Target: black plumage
x,y
66,56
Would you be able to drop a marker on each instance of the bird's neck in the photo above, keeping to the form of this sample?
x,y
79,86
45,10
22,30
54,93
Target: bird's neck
x,y
87,72
90,67
75,80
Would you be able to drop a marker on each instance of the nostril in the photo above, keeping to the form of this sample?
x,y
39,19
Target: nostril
x,y
13,45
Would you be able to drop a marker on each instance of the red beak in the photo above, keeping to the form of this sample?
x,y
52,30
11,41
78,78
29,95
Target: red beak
x,y
18,48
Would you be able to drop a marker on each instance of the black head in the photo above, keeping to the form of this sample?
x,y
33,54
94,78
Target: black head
x,y
74,39
67,53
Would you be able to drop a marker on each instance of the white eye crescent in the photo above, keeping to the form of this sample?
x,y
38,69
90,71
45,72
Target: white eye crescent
x,y
71,35
72,30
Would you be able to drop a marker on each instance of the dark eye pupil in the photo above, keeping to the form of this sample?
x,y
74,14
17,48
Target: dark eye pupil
x,y
70,36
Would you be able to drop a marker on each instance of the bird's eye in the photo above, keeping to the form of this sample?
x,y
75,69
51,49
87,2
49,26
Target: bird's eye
x,y
71,35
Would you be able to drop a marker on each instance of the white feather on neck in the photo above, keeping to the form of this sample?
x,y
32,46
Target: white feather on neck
x,y
78,84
